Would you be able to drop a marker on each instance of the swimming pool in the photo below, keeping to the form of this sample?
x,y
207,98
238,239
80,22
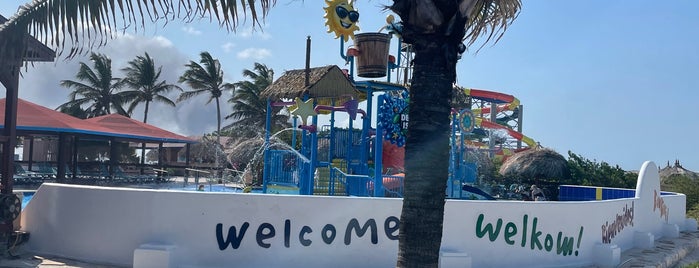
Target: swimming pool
x,y
207,188
27,196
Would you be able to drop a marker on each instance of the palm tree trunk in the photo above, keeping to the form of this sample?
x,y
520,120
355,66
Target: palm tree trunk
x,y
218,135
426,154
143,145
145,112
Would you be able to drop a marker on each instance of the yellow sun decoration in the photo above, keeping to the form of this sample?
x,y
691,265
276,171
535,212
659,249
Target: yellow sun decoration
x,y
341,18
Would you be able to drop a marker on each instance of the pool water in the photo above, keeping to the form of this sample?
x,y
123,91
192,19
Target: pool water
x,y
207,188
25,200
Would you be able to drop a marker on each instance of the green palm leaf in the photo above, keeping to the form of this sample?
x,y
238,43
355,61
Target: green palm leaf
x,y
249,108
86,24
144,80
97,89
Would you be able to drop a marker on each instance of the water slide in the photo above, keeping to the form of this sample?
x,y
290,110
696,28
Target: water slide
x,y
502,102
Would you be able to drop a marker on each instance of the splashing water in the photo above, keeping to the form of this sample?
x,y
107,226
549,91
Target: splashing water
x,y
250,171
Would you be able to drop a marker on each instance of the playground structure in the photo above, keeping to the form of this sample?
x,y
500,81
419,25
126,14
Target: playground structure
x,y
329,160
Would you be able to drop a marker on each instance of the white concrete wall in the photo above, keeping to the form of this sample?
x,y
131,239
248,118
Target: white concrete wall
x,y
105,225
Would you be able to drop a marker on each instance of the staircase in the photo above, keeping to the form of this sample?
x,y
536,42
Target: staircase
x,y
322,180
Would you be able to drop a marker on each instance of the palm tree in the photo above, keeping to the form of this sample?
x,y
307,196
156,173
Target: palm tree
x,y
73,110
97,88
142,76
249,109
436,35
206,78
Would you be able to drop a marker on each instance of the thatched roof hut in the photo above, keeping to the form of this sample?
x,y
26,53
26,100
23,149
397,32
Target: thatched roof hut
x,y
535,164
324,83
676,170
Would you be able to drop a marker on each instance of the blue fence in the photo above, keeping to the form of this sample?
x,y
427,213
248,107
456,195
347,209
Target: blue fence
x,y
355,185
341,143
393,185
286,167
588,193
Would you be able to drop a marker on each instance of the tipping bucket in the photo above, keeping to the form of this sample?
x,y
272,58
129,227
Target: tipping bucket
x,y
372,60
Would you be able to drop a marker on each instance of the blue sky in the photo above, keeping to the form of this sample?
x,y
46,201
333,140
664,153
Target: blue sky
x,y
609,80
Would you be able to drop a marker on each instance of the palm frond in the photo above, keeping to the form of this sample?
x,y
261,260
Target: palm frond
x,y
189,94
491,18
89,24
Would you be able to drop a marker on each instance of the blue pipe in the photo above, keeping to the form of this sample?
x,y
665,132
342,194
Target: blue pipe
x,y
293,134
378,153
331,149
349,59
314,154
365,132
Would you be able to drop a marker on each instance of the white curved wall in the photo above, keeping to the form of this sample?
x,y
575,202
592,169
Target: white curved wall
x,y
105,225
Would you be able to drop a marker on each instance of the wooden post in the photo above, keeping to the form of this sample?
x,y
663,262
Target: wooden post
x,y
9,77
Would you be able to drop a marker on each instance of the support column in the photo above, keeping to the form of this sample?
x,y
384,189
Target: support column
x,y
366,125
160,155
520,113
62,161
74,161
10,79
31,152
143,158
113,155
378,156
186,160
493,117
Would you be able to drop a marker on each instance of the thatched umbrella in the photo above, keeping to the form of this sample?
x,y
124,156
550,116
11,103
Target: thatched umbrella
x,y
676,170
536,164
669,174
540,166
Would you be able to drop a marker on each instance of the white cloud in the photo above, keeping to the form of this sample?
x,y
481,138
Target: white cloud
x,y
254,53
40,83
228,47
191,30
258,34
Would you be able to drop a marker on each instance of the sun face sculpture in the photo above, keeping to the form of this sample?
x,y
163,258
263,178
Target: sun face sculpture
x,y
341,18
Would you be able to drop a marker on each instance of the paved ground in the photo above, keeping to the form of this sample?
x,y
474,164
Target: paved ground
x,y
668,253
26,260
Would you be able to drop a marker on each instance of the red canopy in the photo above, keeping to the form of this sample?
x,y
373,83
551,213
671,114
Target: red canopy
x,y
32,117
127,126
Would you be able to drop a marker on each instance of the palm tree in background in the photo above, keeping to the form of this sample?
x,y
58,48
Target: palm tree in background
x,y
249,109
142,76
206,79
97,89
73,110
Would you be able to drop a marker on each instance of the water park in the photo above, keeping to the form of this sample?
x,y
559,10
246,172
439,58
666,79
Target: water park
x,y
333,195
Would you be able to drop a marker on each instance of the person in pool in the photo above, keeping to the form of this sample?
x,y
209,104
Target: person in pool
x,y
201,187
537,193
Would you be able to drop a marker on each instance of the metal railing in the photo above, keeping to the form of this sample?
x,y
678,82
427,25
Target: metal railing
x,y
286,167
393,185
355,185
